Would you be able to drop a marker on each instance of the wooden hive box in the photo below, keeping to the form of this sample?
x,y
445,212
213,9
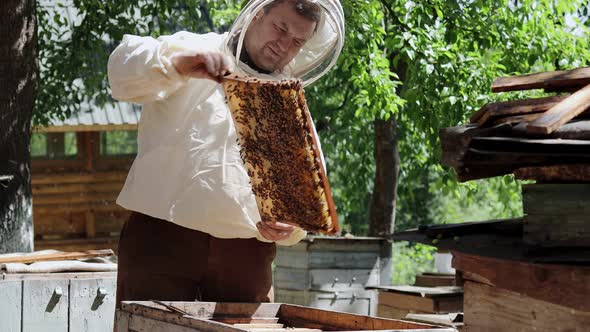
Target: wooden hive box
x,y
42,302
398,301
252,317
509,295
332,273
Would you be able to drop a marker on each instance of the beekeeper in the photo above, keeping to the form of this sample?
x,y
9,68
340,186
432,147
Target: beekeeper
x,y
195,232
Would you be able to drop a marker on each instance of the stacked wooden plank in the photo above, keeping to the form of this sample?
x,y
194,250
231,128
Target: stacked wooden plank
x,y
540,133
510,284
529,273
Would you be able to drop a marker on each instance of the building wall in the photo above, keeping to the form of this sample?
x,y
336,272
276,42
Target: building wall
x,y
74,197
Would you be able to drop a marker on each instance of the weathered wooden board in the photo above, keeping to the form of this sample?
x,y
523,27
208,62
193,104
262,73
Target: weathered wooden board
x,y
557,214
454,320
513,120
561,113
325,279
564,285
479,164
496,309
435,279
122,321
64,276
565,199
337,321
557,230
57,257
494,161
575,129
45,304
549,147
492,111
10,306
424,299
91,304
555,81
455,140
558,173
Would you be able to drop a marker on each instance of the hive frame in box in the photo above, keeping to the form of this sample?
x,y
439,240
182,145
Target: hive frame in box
x,y
281,152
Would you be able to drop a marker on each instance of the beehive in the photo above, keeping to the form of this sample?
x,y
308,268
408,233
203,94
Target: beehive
x,y
280,151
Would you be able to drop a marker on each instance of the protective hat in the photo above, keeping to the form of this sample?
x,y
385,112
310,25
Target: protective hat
x,y
316,57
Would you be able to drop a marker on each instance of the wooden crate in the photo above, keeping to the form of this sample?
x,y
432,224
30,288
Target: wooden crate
x,y
57,302
398,301
252,317
332,273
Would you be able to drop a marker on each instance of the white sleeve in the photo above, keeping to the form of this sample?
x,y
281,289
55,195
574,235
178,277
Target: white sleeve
x,y
140,69
297,235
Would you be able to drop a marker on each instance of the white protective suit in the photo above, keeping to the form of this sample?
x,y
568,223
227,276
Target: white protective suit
x,y
188,169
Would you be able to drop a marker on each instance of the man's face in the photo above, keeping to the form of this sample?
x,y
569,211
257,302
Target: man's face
x,y
274,38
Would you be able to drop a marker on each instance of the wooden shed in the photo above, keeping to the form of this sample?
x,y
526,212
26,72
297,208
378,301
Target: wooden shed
x,y
78,168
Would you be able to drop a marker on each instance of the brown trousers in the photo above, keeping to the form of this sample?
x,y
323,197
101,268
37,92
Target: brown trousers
x,y
159,260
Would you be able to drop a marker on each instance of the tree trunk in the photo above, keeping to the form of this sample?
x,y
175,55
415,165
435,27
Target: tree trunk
x,y
386,178
18,78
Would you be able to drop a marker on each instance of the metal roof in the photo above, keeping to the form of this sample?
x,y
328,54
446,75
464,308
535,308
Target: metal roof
x,y
115,116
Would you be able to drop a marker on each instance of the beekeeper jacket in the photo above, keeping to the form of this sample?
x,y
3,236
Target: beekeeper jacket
x,y
188,168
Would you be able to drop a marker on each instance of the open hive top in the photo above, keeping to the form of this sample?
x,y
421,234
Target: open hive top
x,y
280,151
251,317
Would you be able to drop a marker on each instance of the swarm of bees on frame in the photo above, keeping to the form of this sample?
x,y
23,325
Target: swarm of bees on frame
x,y
280,152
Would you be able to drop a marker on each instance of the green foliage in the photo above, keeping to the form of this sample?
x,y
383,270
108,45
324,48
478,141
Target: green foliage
x,y
76,38
116,143
429,64
38,145
441,58
408,260
54,145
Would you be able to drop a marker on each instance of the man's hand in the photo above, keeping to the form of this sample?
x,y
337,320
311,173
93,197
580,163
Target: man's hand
x,y
208,65
274,231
